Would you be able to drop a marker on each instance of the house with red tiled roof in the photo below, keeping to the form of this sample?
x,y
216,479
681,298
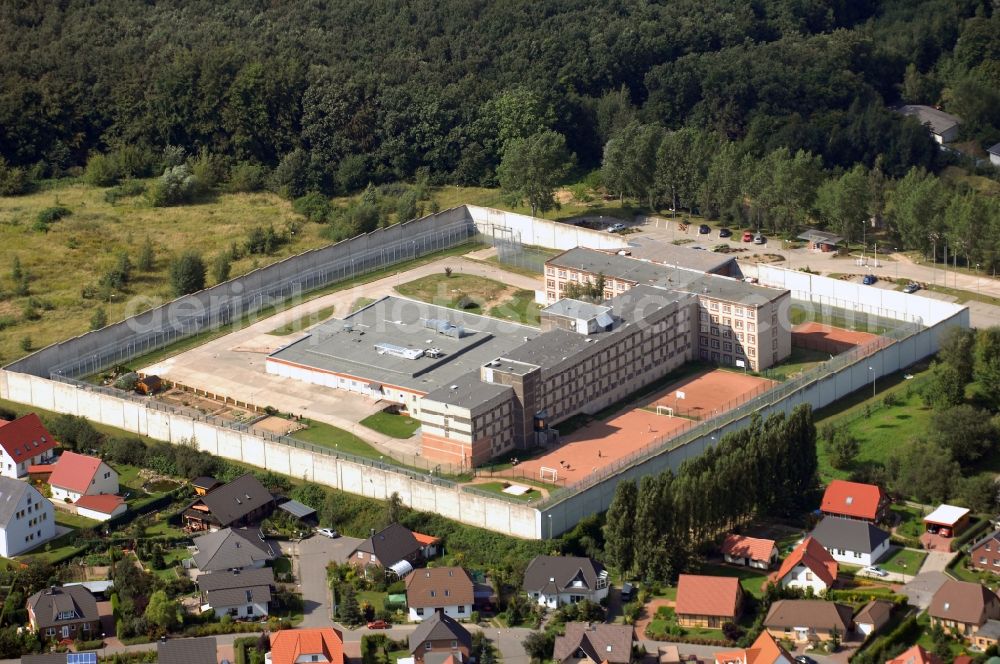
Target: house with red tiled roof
x,y
288,646
78,475
854,500
24,442
707,601
916,655
765,650
749,551
808,566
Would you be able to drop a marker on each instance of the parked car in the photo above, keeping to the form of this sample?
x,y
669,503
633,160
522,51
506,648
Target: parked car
x,y
759,239
747,236
874,570
869,279
911,287
616,228
725,232
704,229
328,532
804,659
627,591
378,624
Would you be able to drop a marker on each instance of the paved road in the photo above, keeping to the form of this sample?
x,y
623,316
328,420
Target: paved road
x,y
309,560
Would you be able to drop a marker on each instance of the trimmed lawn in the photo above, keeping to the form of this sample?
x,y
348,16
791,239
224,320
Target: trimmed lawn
x,y
911,520
903,561
303,323
74,520
397,426
164,529
752,580
521,308
470,290
961,572
61,548
361,303
326,435
882,435
375,599
498,487
128,476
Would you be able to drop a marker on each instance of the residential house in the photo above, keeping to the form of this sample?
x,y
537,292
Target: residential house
x,y
100,508
707,601
984,554
994,153
187,651
76,475
440,636
961,607
240,548
854,500
987,635
242,502
916,655
293,646
394,548
587,642
942,126
67,612
553,581
27,518
808,620
445,589
242,594
24,442
764,650
852,542
808,566
749,551
872,617
947,521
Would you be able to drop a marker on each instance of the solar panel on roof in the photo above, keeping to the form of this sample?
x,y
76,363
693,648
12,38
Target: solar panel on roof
x,y
81,658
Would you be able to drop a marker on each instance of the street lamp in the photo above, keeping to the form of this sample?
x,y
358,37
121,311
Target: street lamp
x,y
550,526
872,369
864,241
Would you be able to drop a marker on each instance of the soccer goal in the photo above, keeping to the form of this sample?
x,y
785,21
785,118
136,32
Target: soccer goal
x,y
548,474
665,410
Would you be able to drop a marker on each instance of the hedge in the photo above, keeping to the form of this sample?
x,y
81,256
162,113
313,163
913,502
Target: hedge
x,y
240,647
973,531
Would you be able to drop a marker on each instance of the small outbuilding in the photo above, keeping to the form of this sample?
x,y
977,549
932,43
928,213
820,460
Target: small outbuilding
x,y
947,521
821,240
149,385
994,152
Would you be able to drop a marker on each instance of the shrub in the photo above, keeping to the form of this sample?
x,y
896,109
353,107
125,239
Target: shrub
x,y
13,181
126,189
50,215
98,319
246,177
177,185
314,206
101,171
187,273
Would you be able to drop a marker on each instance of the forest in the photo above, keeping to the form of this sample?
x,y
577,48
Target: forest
x,y
771,112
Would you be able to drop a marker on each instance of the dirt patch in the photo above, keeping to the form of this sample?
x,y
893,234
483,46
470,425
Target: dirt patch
x,y
278,425
765,258
202,404
564,196
828,338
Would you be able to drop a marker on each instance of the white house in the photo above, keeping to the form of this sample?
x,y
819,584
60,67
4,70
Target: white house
x,y
809,566
852,542
24,442
78,475
244,595
446,589
553,581
27,518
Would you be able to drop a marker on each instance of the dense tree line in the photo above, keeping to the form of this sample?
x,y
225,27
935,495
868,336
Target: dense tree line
x,y
767,468
330,97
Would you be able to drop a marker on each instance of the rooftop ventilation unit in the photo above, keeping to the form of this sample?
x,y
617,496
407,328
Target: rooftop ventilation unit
x,y
445,327
399,351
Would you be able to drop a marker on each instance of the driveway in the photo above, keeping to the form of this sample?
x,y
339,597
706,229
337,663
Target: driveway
x,y
921,589
309,560
937,561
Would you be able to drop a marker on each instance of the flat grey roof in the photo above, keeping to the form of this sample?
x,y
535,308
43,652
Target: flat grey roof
x,y
348,346
665,276
654,251
467,391
813,235
297,509
576,309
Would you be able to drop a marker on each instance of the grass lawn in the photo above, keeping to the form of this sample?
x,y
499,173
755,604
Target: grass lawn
x,y
911,520
397,426
64,518
752,580
498,487
375,599
164,529
61,548
962,572
303,323
361,303
882,435
800,360
903,561
128,476
172,557
520,308
927,641
468,292
327,435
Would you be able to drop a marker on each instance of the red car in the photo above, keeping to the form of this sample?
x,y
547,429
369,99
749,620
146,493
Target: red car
x,y
747,236
378,624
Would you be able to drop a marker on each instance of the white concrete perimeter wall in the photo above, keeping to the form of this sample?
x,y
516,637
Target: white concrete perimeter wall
x,y
542,232
562,516
327,469
857,297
